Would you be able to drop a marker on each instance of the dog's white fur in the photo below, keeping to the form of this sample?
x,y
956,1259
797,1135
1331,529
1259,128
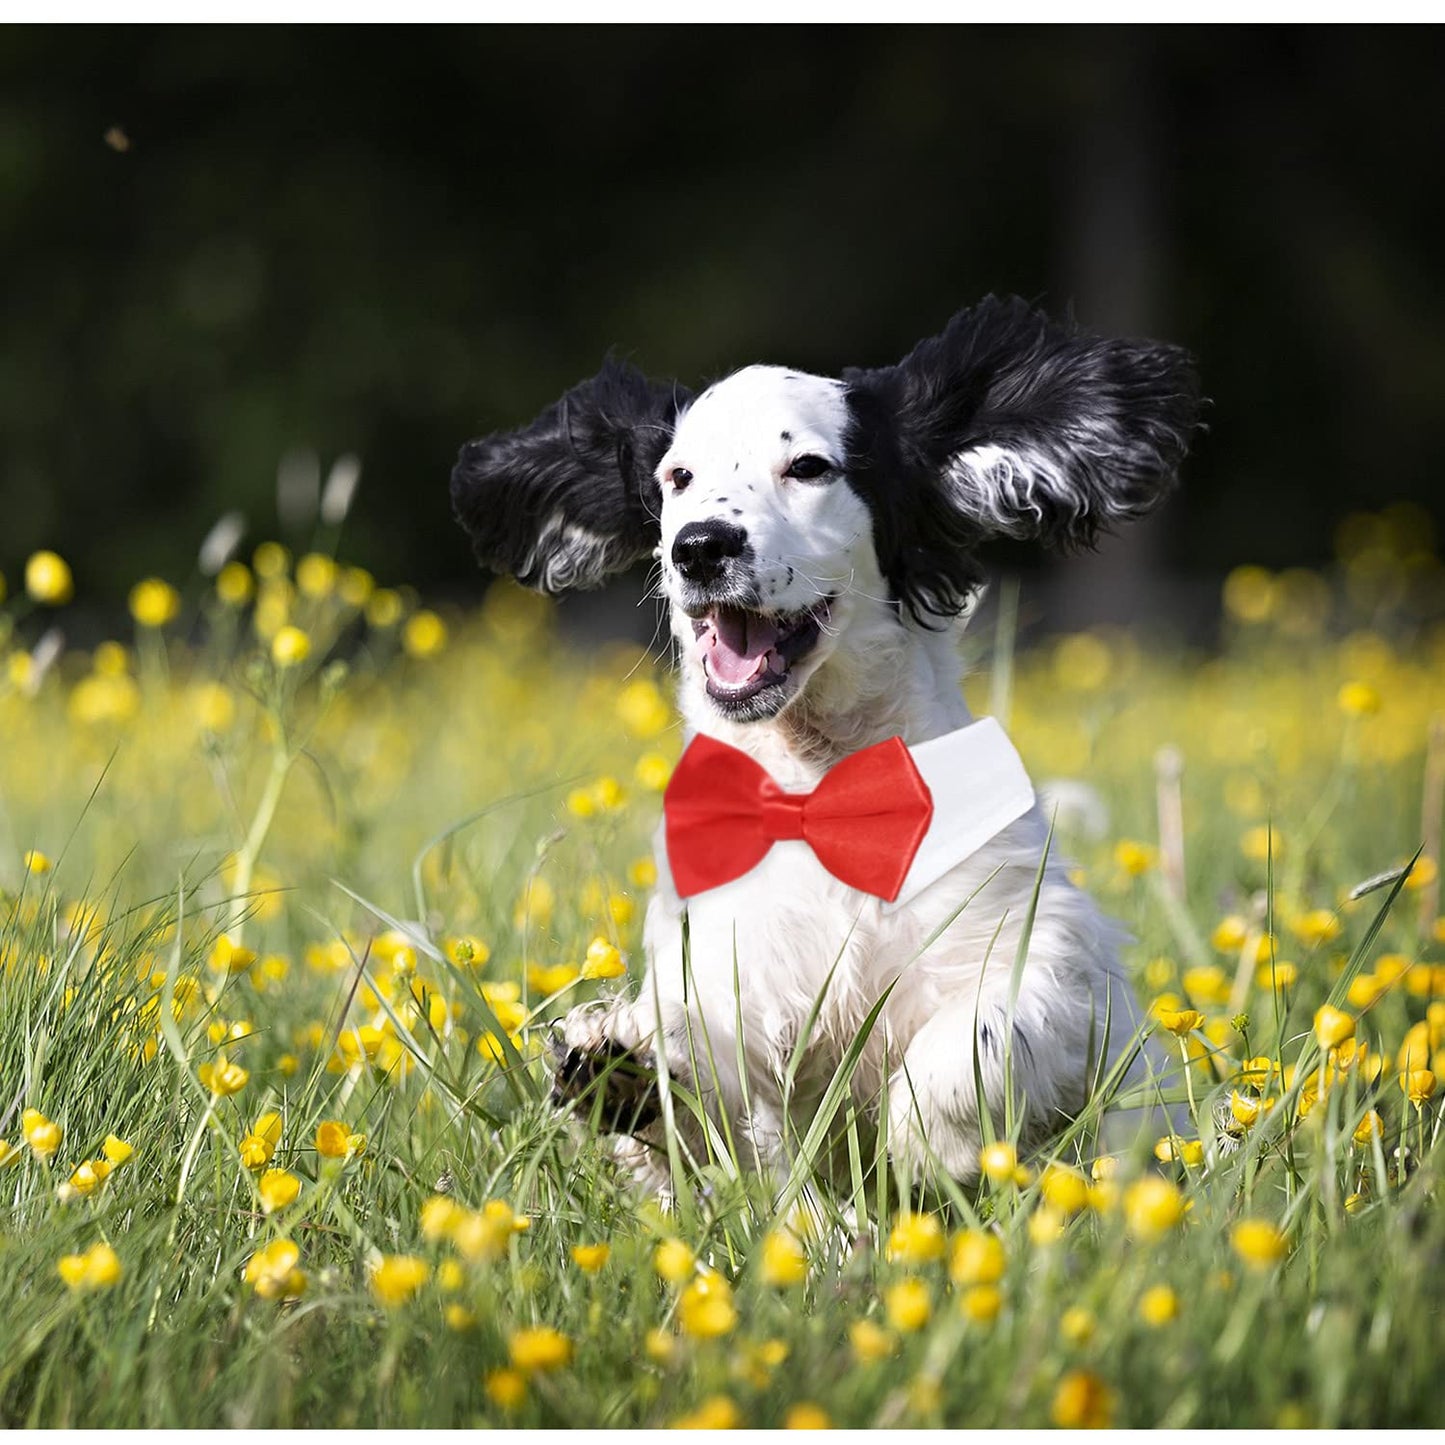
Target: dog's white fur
x,y
875,673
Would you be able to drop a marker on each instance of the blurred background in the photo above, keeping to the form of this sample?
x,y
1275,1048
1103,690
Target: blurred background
x,y
229,252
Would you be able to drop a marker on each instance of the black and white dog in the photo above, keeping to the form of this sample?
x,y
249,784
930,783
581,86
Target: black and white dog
x,y
818,543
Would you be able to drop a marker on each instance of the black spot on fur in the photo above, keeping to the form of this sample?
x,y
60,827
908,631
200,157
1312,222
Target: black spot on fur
x,y
787,436
1105,423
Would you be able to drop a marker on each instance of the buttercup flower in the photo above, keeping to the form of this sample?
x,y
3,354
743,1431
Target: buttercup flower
x,y
41,1134
590,1258
98,1268
48,579
916,1239
272,1271
396,1278
785,1262
277,1189
1258,1243
539,1349
976,1258
1083,1402
705,1308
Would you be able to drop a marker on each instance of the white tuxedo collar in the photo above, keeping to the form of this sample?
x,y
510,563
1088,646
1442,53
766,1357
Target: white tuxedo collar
x,y
979,786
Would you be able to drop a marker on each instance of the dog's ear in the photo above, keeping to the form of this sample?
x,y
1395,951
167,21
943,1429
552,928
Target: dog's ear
x,y
571,498
1011,425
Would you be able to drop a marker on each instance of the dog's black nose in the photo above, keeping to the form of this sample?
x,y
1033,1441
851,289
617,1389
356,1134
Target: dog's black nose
x,y
701,548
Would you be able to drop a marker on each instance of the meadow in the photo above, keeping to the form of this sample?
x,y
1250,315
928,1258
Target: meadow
x,y
294,872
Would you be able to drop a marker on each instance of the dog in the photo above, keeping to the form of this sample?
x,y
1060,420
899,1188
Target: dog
x,y
818,542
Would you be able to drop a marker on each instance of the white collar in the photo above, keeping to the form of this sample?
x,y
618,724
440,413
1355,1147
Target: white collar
x,y
979,786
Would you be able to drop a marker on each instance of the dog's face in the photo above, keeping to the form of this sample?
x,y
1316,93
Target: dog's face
x,y
765,548
791,513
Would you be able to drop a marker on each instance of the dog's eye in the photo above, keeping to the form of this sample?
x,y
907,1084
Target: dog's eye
x,y
679,477
806,469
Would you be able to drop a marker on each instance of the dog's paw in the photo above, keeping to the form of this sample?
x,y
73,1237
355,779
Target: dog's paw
x,y
614,1086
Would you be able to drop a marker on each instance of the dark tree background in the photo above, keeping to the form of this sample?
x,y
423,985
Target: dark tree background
x,y
387,241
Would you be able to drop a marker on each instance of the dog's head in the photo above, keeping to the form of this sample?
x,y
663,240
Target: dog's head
x,y
794,516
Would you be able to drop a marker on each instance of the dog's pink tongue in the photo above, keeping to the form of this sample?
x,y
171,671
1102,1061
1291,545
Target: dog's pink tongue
x,y
737,644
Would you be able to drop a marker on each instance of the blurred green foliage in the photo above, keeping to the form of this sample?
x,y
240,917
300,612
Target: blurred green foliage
x,y
357,240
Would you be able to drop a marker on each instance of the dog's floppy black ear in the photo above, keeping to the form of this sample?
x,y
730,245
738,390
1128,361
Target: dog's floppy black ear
x,y
571,498
1010,424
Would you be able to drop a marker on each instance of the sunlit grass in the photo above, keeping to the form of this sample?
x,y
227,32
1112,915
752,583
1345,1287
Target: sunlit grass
x,y
292,876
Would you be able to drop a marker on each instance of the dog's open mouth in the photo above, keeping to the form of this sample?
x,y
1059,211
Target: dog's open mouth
x,y
746,653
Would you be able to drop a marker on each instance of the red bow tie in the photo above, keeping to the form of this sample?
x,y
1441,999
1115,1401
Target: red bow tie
x,y
864,821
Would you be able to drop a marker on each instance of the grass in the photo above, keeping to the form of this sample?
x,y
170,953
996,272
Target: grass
x,y
368,877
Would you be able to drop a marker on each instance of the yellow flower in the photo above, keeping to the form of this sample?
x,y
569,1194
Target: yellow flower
x,y
1244,1108
48,579
539,1349
506,1389
999,1162
806,1416
1083,1402
459,1318
1063,1189
270,559
659,1346
396,1278
89,1176
1158,1305
977,1257
603,961
98,1268
1257,844
715,1413
277,1188
652,772
1180,1021
334,1140
290,647
1332,1026
1077,1325
1258,1243
8,1151
424,635
1372,1126
234,584
1152,1207
230,958
642,708
316,575
916,1239
41,1134
1358,699
1257,1072
35,861
468,951
260,1144
1135,859
1279,974
223,1078
673,1260
1181,1151
785,1262
272,1271
1317,926
153,603
907,1305
705,1308
547,979
981,1303
870,1342
590,1258
1229,934
213,706
1250,593
1419,1085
